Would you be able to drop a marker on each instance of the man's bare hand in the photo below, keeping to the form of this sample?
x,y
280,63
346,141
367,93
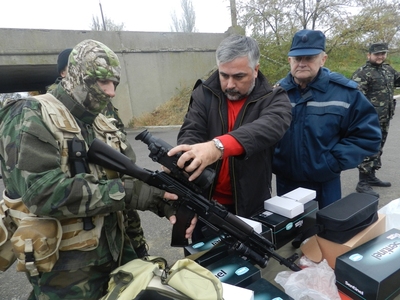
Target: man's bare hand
x,y
190,229
172,219
200,156
170,196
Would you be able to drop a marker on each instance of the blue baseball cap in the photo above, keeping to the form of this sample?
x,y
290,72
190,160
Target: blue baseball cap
x,y
307,43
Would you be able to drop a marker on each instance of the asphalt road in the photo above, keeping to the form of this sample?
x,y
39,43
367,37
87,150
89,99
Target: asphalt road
x,y
14,285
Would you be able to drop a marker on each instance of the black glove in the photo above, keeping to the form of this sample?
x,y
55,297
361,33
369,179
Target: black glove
x,y
141,196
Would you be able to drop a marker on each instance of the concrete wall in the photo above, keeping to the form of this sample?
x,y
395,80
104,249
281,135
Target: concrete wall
x,y
154,64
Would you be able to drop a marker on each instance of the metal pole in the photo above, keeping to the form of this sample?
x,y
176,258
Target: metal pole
x,y
233,13
102,17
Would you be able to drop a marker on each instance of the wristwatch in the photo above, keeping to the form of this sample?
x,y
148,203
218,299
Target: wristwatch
x,y
219,146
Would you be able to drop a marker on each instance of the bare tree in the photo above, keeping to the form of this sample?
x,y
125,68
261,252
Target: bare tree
x,y
378,20
188,20
97,25
349,25
281,18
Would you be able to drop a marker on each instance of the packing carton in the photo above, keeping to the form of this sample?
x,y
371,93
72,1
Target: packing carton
x,y
234,270
231,292
286,229
317,248
286,207
302,195
371,271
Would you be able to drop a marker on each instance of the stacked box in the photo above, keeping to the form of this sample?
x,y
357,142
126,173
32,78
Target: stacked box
x,y
302,195
286,229
235,271
286,207
371,271
317,248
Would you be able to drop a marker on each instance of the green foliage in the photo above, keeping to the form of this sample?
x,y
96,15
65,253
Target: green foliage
x,y
273,62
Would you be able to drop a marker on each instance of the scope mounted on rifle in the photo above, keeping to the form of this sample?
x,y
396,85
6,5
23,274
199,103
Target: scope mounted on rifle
x,y
158,153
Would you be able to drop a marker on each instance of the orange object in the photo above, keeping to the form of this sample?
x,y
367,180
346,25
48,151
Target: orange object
x,y
344,296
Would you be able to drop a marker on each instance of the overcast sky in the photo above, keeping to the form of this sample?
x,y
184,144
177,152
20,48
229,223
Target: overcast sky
x,y
137,15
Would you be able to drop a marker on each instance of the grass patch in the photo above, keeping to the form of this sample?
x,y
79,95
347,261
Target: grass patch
x,y
171,112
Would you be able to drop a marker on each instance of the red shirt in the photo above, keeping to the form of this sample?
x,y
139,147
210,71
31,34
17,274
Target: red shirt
x,y
223,189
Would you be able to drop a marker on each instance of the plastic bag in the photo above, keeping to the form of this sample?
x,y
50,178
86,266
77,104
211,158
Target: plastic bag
x,y
315,281
392,212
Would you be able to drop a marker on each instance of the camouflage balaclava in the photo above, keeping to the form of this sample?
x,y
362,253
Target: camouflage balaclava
x,y
88,62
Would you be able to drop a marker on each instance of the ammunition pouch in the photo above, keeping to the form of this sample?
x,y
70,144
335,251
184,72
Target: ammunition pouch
x,y
74,237
36,243
7,229
14,214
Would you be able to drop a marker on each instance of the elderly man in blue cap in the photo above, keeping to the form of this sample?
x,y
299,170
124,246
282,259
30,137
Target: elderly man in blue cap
x,y
333,125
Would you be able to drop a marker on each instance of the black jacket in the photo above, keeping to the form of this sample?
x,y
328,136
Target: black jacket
x,y
261,123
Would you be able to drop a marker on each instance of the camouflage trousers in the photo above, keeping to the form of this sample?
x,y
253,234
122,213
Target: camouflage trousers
x,y
134,229
372,163
85,283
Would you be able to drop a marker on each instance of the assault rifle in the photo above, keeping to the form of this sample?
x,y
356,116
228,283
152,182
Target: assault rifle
x,y
238,235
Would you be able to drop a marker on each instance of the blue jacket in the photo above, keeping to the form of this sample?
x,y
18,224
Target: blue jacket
x,y
333,128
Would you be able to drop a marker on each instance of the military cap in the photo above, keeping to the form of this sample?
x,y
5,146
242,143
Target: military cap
x,y
378,47
307,43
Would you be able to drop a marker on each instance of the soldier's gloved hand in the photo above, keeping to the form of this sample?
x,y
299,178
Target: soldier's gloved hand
x,y
138,195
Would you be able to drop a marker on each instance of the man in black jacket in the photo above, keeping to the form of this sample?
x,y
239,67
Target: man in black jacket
x,y
234,121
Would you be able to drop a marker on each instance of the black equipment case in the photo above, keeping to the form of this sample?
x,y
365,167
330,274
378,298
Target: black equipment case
x,y
343,219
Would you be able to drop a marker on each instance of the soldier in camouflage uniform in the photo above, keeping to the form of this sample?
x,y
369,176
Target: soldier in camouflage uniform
x,y
133,225
37,174
376,80
134,228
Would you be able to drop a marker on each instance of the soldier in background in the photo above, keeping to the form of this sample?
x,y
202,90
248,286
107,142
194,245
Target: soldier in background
x,y
134,229
377,80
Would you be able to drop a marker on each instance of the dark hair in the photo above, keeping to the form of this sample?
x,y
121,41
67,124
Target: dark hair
x,y
62,59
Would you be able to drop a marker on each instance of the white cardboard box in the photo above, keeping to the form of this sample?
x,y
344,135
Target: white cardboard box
x,y
256,225
302,195
232,292
286,207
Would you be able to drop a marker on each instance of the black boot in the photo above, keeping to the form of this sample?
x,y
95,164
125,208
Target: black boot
x,y
364,187
374,181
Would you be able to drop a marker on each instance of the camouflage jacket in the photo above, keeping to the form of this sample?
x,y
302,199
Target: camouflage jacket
x,y
30,161
377,83
110,111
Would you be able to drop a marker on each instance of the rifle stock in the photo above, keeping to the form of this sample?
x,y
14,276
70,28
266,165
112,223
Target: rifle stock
x,y
242,237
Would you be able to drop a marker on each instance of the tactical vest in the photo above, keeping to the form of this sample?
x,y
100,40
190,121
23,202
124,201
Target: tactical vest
x,y
51,235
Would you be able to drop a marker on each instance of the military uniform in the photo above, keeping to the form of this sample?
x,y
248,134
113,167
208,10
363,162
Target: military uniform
x,y
133,225
377,83
38,172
